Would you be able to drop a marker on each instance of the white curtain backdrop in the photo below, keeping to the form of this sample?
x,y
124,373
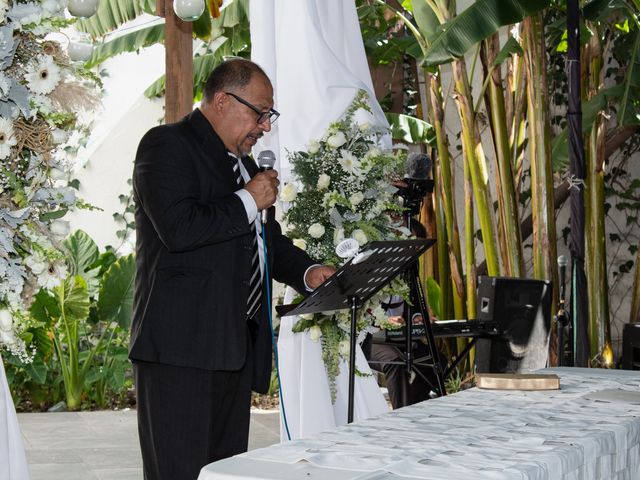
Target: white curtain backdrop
x,y
13,461
313,52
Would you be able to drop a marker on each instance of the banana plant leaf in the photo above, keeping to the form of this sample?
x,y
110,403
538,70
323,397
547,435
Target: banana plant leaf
x,y
590,110
113,13
410,129
202,66
129,42
601,10
455,37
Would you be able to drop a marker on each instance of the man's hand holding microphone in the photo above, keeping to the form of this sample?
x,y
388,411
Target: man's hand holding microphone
x,y
263,187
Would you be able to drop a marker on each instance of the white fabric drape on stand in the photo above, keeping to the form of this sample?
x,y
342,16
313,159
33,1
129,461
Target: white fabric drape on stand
x,y
13,461
312,51
305,386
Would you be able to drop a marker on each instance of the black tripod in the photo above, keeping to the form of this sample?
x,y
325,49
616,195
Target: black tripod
x,y
412,195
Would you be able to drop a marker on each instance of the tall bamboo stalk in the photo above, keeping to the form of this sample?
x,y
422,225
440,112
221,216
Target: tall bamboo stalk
x,y
599,321
446,192
544,231
509,219
474,155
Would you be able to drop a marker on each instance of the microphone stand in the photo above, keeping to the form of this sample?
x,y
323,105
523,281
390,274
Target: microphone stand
x,y
563,319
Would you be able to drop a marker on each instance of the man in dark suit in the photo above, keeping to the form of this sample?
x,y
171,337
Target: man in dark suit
x,y
200,339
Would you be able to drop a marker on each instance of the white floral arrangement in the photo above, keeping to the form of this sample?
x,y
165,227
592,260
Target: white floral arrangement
x,y
342,190
42,97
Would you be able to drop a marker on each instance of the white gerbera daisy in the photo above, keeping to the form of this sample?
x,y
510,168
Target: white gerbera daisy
x,y
7,137
55,273
43,75
349,162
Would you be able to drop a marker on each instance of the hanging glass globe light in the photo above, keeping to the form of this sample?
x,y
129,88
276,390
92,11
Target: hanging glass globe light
x,y
79,51
188,10
83,8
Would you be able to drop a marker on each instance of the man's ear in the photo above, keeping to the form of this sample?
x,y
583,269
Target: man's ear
x,y
219,102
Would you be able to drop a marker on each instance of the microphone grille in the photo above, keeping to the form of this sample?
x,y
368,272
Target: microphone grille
x,y
417,166
267,159
562,261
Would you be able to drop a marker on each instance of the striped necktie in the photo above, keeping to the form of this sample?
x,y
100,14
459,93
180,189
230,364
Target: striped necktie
x,y
255,284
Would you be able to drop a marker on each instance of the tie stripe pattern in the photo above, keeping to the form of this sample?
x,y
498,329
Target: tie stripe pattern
x,y
255,284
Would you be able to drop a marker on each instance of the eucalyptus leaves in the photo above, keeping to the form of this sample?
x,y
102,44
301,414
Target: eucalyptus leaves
x,y
343,190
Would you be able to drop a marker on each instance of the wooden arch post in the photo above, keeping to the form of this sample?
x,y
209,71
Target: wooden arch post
x,y
178,47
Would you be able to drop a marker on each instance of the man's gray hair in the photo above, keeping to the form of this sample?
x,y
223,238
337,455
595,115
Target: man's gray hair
x,y
231,74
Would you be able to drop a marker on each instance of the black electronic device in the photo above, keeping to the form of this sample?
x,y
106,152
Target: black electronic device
x,y
522,309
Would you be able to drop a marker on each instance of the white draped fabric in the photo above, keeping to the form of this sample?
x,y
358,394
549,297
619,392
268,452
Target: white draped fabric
x,y
13,461
313,52
305,387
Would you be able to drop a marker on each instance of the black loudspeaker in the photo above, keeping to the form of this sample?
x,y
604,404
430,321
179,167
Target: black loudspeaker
x,y
522,308
631,346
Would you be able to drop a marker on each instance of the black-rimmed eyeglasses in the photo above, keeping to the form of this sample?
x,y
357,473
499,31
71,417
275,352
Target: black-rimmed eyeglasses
x,y
271,114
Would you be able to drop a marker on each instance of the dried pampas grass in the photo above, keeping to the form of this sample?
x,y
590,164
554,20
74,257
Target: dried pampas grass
x,y
72,96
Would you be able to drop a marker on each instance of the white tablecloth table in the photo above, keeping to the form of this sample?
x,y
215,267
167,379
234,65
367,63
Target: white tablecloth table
x,y
589,429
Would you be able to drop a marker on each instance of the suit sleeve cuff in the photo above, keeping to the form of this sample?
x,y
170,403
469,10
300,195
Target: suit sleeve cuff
x,y
249,205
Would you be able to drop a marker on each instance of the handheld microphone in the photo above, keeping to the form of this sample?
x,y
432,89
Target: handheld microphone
x,y
266,161
417,166
562,264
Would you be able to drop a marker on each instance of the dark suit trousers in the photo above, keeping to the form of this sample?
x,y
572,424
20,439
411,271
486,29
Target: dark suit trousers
x,y
188,418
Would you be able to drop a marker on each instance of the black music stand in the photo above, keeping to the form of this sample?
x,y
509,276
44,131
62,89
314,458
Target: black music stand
x,y
355,283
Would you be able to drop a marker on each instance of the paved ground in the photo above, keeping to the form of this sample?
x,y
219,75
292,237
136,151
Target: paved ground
x,y
103,445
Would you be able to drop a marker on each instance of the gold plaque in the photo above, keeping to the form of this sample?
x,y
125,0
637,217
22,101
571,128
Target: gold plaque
x,y
518,381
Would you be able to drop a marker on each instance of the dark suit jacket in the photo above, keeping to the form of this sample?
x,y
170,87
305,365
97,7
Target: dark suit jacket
x,y
193,255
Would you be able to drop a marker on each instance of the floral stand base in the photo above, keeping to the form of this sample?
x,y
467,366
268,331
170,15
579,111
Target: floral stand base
x,y
13,461
306,393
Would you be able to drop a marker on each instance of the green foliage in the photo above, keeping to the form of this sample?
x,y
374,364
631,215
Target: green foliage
x,y
112,14
80,330
464,31
410,129
129,42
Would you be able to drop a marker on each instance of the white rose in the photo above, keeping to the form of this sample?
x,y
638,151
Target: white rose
x,y
7,338
372,152
313,147
6,320
336,140
338,235
300,243
364,127
344,348
356,198
316,230
56,173
289,192
60,228
59,136
359,236
315,333
323,181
